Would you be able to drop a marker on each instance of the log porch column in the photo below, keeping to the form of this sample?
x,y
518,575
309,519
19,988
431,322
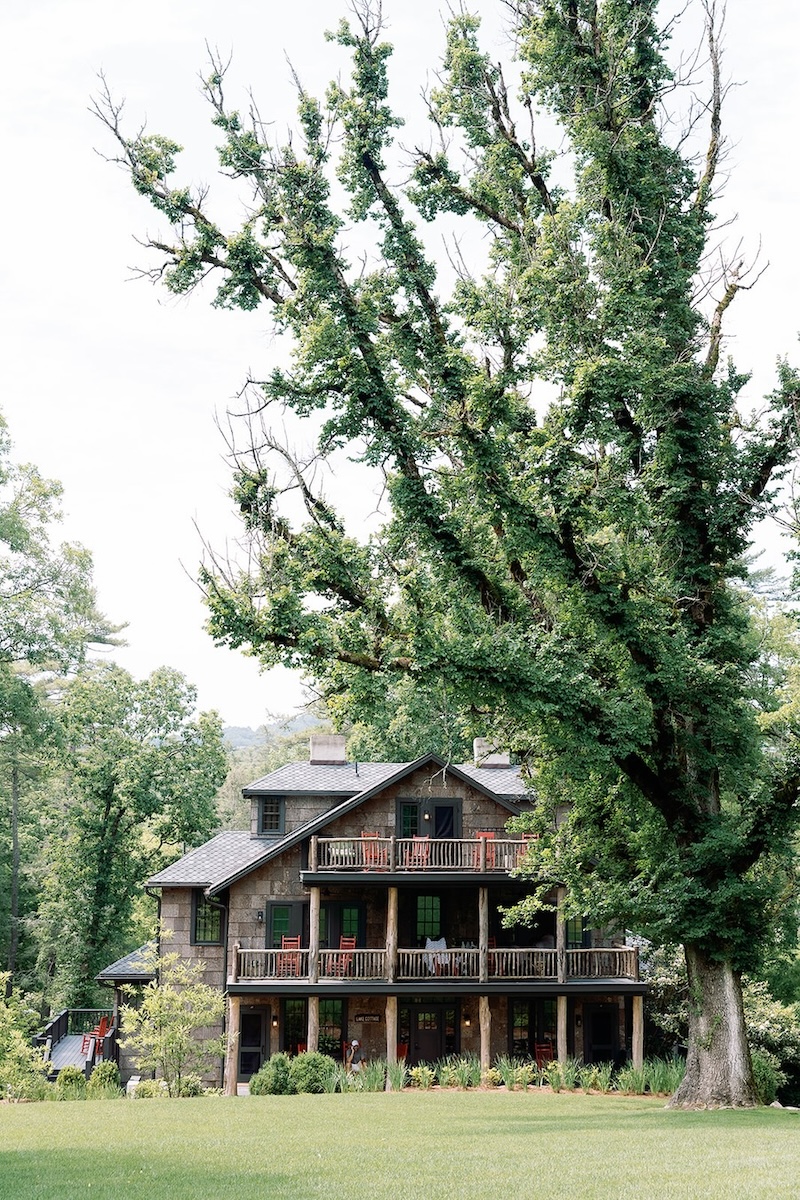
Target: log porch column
x,y
313,1024
391,940
391,1034
561,1028
637,1035
313,935
561,935
232,1046
485,1016
483,936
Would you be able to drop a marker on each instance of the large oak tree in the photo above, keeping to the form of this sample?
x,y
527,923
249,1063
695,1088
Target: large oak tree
x,y
570,487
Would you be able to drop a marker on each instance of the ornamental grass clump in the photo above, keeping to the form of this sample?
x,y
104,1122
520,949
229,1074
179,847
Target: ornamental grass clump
x,y
397,1075
631,1080
663,1075
596,1077
372,1075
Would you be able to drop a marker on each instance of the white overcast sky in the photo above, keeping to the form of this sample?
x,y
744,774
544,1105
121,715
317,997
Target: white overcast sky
x,y
112,387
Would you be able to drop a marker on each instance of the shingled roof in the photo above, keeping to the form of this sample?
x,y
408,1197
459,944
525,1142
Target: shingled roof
x,y
327,779
136,967
202,867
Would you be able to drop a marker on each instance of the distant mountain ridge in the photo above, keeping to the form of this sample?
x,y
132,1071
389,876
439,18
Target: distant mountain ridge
x,y
242,737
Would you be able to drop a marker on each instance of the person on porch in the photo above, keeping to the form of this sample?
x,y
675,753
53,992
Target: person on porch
x,y
355,1057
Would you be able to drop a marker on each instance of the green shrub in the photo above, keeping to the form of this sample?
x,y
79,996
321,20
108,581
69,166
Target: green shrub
x,y
273,1078
191,1085
422,1076
71,1084
150,1089
310,1072
767,1074
103,1083
491,1078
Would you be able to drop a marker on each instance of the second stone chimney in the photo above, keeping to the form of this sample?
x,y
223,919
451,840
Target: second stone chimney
x,y
487,755
327,749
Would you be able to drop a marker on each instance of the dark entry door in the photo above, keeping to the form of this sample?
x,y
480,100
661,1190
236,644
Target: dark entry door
x,y
601,1036
253,1026
427,1029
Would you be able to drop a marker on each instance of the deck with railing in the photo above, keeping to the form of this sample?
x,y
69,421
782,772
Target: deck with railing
x,y
63,1039
502,963
481,853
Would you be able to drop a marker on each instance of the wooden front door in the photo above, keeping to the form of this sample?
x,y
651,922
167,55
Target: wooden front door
x,y
427,1034
601,1033
253,1026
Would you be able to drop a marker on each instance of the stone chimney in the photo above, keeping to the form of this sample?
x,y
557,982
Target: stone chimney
x,y
487,755
327,749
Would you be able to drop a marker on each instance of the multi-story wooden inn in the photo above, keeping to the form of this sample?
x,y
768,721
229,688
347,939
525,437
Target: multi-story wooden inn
x,y
365,901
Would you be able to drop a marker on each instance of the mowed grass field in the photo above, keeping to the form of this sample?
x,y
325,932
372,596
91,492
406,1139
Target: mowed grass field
x,y
415,1145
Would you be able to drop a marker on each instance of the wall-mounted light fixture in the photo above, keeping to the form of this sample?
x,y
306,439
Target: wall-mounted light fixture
x,y
274,1022
578,1021
467,1020
426,816
260,915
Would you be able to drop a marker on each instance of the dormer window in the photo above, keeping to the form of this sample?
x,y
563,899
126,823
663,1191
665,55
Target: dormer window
x,y
272,816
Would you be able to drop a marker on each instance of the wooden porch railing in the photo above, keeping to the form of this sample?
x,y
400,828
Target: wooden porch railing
x,y
513,963
416,854
68,1022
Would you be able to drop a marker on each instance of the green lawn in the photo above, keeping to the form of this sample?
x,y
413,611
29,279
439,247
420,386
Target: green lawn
x,y
416,1145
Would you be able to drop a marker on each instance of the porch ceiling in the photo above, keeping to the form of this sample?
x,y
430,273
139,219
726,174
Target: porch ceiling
x,y
436,986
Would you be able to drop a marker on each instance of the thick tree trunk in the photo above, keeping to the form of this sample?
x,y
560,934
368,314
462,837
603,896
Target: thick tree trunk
x,y
13,939
719,1073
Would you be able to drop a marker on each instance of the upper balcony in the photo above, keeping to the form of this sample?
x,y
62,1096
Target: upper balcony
x,y
485,853
465,964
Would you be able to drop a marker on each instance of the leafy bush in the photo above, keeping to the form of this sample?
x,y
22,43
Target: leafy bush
x,y
422,1076
491,1077
273,1078
71,1084
103,1083
191,1085
310,1072
23,1072
767,1074
150,1089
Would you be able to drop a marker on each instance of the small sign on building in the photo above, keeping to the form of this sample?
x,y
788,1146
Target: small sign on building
x,y
367,1019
